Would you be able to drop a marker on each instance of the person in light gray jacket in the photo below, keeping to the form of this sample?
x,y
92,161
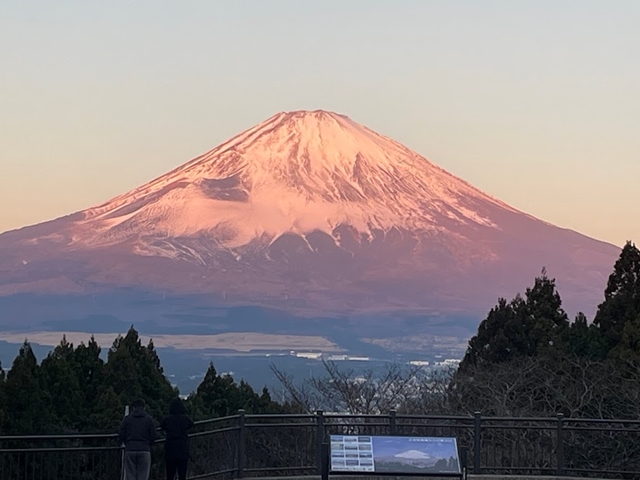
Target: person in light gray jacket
x,y
138,433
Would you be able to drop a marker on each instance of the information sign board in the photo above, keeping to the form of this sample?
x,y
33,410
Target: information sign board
x,y
401,455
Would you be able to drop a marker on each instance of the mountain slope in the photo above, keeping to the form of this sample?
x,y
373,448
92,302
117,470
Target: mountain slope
x,y
308,211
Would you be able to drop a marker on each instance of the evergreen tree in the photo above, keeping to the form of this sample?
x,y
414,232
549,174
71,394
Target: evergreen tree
x,y
23,395
628,348
107,412
61,389
219,396
584,340
90,372
215,396
547,320
495,342
522,327
622,297
265,404
134,371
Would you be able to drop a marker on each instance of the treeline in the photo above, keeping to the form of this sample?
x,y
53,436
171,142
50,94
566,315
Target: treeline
x,y
74,390
528,358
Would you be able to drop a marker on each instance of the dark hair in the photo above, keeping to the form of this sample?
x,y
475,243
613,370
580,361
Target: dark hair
x,y
138,403
176,407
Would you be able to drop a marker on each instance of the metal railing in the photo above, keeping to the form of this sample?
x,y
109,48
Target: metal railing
x,y
245,445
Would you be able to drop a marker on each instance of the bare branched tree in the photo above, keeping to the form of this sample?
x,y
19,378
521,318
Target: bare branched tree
x,y
344,391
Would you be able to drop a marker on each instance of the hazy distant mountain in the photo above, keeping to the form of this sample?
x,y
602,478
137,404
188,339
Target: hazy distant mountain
x,y
312,213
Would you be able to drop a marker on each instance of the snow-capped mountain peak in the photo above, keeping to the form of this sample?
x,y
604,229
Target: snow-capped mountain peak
x,y
296,172
313,212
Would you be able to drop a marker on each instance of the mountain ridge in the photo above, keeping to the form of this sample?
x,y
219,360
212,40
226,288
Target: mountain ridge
x,y
311,210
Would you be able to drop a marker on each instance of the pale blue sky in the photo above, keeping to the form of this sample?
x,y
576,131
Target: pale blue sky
x,y
536,102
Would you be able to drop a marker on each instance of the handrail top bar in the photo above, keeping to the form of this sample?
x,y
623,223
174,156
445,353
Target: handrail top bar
x,y
355,415
555,419
59,449
216,419
329,416
601,420
463,418
300,416
79,436
522,419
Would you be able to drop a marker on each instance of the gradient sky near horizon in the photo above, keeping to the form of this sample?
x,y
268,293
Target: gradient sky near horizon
x,y
534,102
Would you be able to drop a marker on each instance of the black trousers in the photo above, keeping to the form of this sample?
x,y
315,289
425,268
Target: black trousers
x,y
176,465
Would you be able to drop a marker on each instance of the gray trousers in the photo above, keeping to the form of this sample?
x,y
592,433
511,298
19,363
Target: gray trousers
x,y
137,465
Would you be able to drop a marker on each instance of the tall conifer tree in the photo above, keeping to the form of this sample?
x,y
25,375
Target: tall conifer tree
x,y
621,305
61,390
134,371
23,395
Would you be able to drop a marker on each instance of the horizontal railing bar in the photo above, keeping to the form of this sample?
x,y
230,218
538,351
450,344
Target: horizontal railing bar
x,y
330,416
601,420
372,424
59,449
217,419
518,469
213,474
281,425
593,470
432,425
600,429
550,428
212,432
88,436
553,468
434,417
520,419
300,416
350,415
271,469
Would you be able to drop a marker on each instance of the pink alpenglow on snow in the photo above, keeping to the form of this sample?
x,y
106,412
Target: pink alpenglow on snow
x,y
294,173
312,212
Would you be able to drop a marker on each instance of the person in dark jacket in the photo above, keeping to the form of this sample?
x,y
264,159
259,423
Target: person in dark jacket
x,y
176,448
137,432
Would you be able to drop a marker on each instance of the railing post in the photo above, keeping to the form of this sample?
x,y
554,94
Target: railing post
x,y
240,447
464,454
319,439
122,470
477,441
324,466
392,422
560,445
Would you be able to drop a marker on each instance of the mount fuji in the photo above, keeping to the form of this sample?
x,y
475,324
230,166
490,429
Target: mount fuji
x,y
308,213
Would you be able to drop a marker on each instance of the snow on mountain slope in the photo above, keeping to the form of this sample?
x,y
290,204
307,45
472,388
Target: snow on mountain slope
x,y
311,211
294,173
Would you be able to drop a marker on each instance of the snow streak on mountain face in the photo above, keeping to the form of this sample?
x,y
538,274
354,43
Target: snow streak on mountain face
x,y
296,172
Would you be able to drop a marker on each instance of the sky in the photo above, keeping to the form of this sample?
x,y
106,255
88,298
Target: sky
x,y
535,102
